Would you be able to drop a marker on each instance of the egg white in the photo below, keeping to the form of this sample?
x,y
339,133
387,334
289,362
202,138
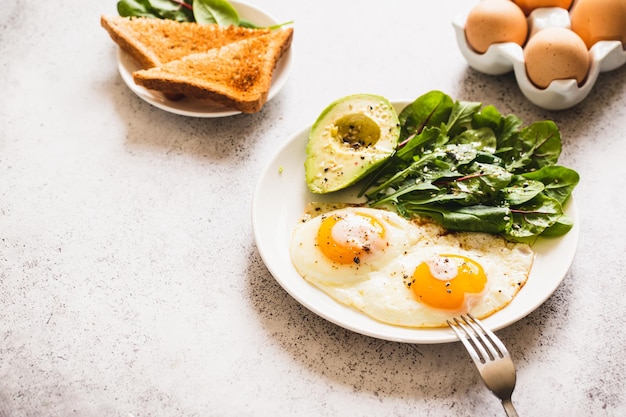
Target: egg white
x,y
381,288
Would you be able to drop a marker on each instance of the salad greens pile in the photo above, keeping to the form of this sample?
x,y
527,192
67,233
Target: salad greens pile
x,y
219,12
470,168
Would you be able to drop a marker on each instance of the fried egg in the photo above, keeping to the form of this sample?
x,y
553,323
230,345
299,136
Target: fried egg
x,y
404,273
345,246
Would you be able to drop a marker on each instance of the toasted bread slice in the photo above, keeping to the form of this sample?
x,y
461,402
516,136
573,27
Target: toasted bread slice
x,y
237,75
153,42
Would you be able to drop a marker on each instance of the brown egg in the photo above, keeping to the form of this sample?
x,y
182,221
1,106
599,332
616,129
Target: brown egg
x,y
529,5
556,54
495,21
599,20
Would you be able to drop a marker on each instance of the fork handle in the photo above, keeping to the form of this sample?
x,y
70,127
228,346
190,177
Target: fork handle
x,y
508,407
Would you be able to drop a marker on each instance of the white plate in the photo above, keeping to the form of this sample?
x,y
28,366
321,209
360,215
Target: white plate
x,y
205,108
279,202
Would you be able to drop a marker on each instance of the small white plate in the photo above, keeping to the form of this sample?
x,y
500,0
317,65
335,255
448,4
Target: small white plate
x,y
279,202
206,108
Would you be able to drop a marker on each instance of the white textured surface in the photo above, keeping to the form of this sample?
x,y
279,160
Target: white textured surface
x,y
130,284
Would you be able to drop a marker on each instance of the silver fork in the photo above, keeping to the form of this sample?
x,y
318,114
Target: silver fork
x,y
490,356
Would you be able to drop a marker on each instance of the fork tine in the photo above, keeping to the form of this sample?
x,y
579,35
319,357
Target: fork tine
x,y
466,342
495,346
475,348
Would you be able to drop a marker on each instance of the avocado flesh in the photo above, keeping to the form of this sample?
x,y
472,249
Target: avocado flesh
x,y
350,138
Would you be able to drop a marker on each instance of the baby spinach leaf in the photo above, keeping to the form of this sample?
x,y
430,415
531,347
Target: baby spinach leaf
x,y
493,176
461,117
139,8
521,191
559,182
536,146
535,216
215,11
161,9
164,5
419,171
482,139
489,117
419,193
430,109
481,185
419,144
220,12
478,218
561,227
504,127
461,154
175,10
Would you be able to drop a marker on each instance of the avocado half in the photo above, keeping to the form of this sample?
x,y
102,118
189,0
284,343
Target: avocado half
x,y
349,139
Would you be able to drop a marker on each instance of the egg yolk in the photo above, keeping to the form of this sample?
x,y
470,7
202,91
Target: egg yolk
x,y
347,239
444,281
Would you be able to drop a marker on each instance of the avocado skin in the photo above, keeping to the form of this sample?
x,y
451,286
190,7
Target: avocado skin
x,y
350,138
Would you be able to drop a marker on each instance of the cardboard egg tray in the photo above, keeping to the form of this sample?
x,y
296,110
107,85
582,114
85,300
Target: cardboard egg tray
x,y
502,58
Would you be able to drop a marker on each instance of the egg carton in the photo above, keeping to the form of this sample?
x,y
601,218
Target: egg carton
x,y
501,58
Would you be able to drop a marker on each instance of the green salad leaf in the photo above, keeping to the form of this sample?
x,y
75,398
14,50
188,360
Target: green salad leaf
x,y
206,12
180,10
471,168
219,12
215,11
